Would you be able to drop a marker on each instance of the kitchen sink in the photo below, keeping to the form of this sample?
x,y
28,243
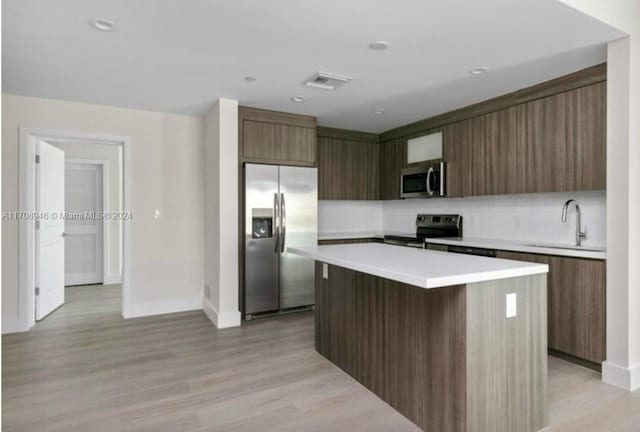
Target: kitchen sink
x,y
567,247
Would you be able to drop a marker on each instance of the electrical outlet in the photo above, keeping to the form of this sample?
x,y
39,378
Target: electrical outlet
x,y
512,305
325,271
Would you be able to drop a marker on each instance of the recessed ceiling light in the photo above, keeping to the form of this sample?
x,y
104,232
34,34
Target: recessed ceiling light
x,y
249,79
378,112
379,45
297,99
102,24
479,70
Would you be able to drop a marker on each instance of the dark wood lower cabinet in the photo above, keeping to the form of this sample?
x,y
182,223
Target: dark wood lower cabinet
x,y
576,305
446,358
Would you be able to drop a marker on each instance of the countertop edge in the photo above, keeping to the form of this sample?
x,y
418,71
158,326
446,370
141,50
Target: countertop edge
x,y
436,282
514,247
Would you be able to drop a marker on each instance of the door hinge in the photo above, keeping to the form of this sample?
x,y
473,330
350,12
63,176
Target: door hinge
x,y
37,158
37,224
37,290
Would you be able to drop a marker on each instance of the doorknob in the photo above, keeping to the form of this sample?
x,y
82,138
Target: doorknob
x,y
64,234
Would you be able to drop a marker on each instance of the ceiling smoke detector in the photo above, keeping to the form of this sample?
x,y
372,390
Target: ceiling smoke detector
x,y
327,80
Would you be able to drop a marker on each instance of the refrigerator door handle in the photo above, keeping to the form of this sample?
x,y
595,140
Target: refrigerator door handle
x,y
283,222
276,219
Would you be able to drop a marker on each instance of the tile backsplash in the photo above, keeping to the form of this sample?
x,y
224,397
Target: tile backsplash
x,y
527,217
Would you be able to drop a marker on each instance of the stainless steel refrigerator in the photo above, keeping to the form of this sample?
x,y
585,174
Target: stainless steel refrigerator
x,y
281,210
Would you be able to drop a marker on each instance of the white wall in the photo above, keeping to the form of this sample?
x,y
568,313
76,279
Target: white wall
x,y
166,173
622,367
112,154
528,217
349,217
221,214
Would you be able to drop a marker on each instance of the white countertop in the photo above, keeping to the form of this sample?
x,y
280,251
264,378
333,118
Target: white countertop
x,y
350,235
507,245
522,246
419,267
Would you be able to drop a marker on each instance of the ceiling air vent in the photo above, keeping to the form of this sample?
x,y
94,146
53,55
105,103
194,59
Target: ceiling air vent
x,y
327,80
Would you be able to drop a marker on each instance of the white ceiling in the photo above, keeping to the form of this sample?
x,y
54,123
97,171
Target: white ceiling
x,y
180,56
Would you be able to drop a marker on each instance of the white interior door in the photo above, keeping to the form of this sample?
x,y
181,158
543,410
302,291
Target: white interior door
x,y
84,240
50,233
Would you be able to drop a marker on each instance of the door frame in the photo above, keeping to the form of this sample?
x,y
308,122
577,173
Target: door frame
x,y
106,239
28,137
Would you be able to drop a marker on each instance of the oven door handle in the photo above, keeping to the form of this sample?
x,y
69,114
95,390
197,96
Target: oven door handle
x,y
430,174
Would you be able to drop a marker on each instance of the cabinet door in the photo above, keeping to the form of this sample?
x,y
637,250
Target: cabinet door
x,y
495,165
296,143
393,157
576,304
348,170
259,141
330,169
456,142
576,311
562,143
543,148
586,132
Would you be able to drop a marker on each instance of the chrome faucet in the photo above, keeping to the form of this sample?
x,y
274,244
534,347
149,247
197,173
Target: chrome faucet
x,y
579,233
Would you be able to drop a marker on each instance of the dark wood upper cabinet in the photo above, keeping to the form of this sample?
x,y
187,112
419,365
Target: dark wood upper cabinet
x,y
562,141
586,128
497,155
259,140
275,137
393,157
553,144
296,144
456,148
481,155
348,165
547,138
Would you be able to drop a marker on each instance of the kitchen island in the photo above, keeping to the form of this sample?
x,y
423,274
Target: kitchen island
x,y
453,342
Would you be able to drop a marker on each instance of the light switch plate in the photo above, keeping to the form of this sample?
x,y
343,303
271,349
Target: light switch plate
x,y
325,271
512,305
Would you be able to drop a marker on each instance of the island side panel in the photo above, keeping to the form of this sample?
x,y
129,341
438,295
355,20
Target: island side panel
x,y
406,344
507,357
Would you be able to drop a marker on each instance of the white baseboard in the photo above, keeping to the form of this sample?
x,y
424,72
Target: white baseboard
x,y
112,279
621,377
163,307
221,319
12,325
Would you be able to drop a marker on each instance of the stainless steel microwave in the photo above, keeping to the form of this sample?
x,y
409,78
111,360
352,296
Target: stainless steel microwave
x,y
424,181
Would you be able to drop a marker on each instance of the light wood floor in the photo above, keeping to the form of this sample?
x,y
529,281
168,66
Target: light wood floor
x,y
85,369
